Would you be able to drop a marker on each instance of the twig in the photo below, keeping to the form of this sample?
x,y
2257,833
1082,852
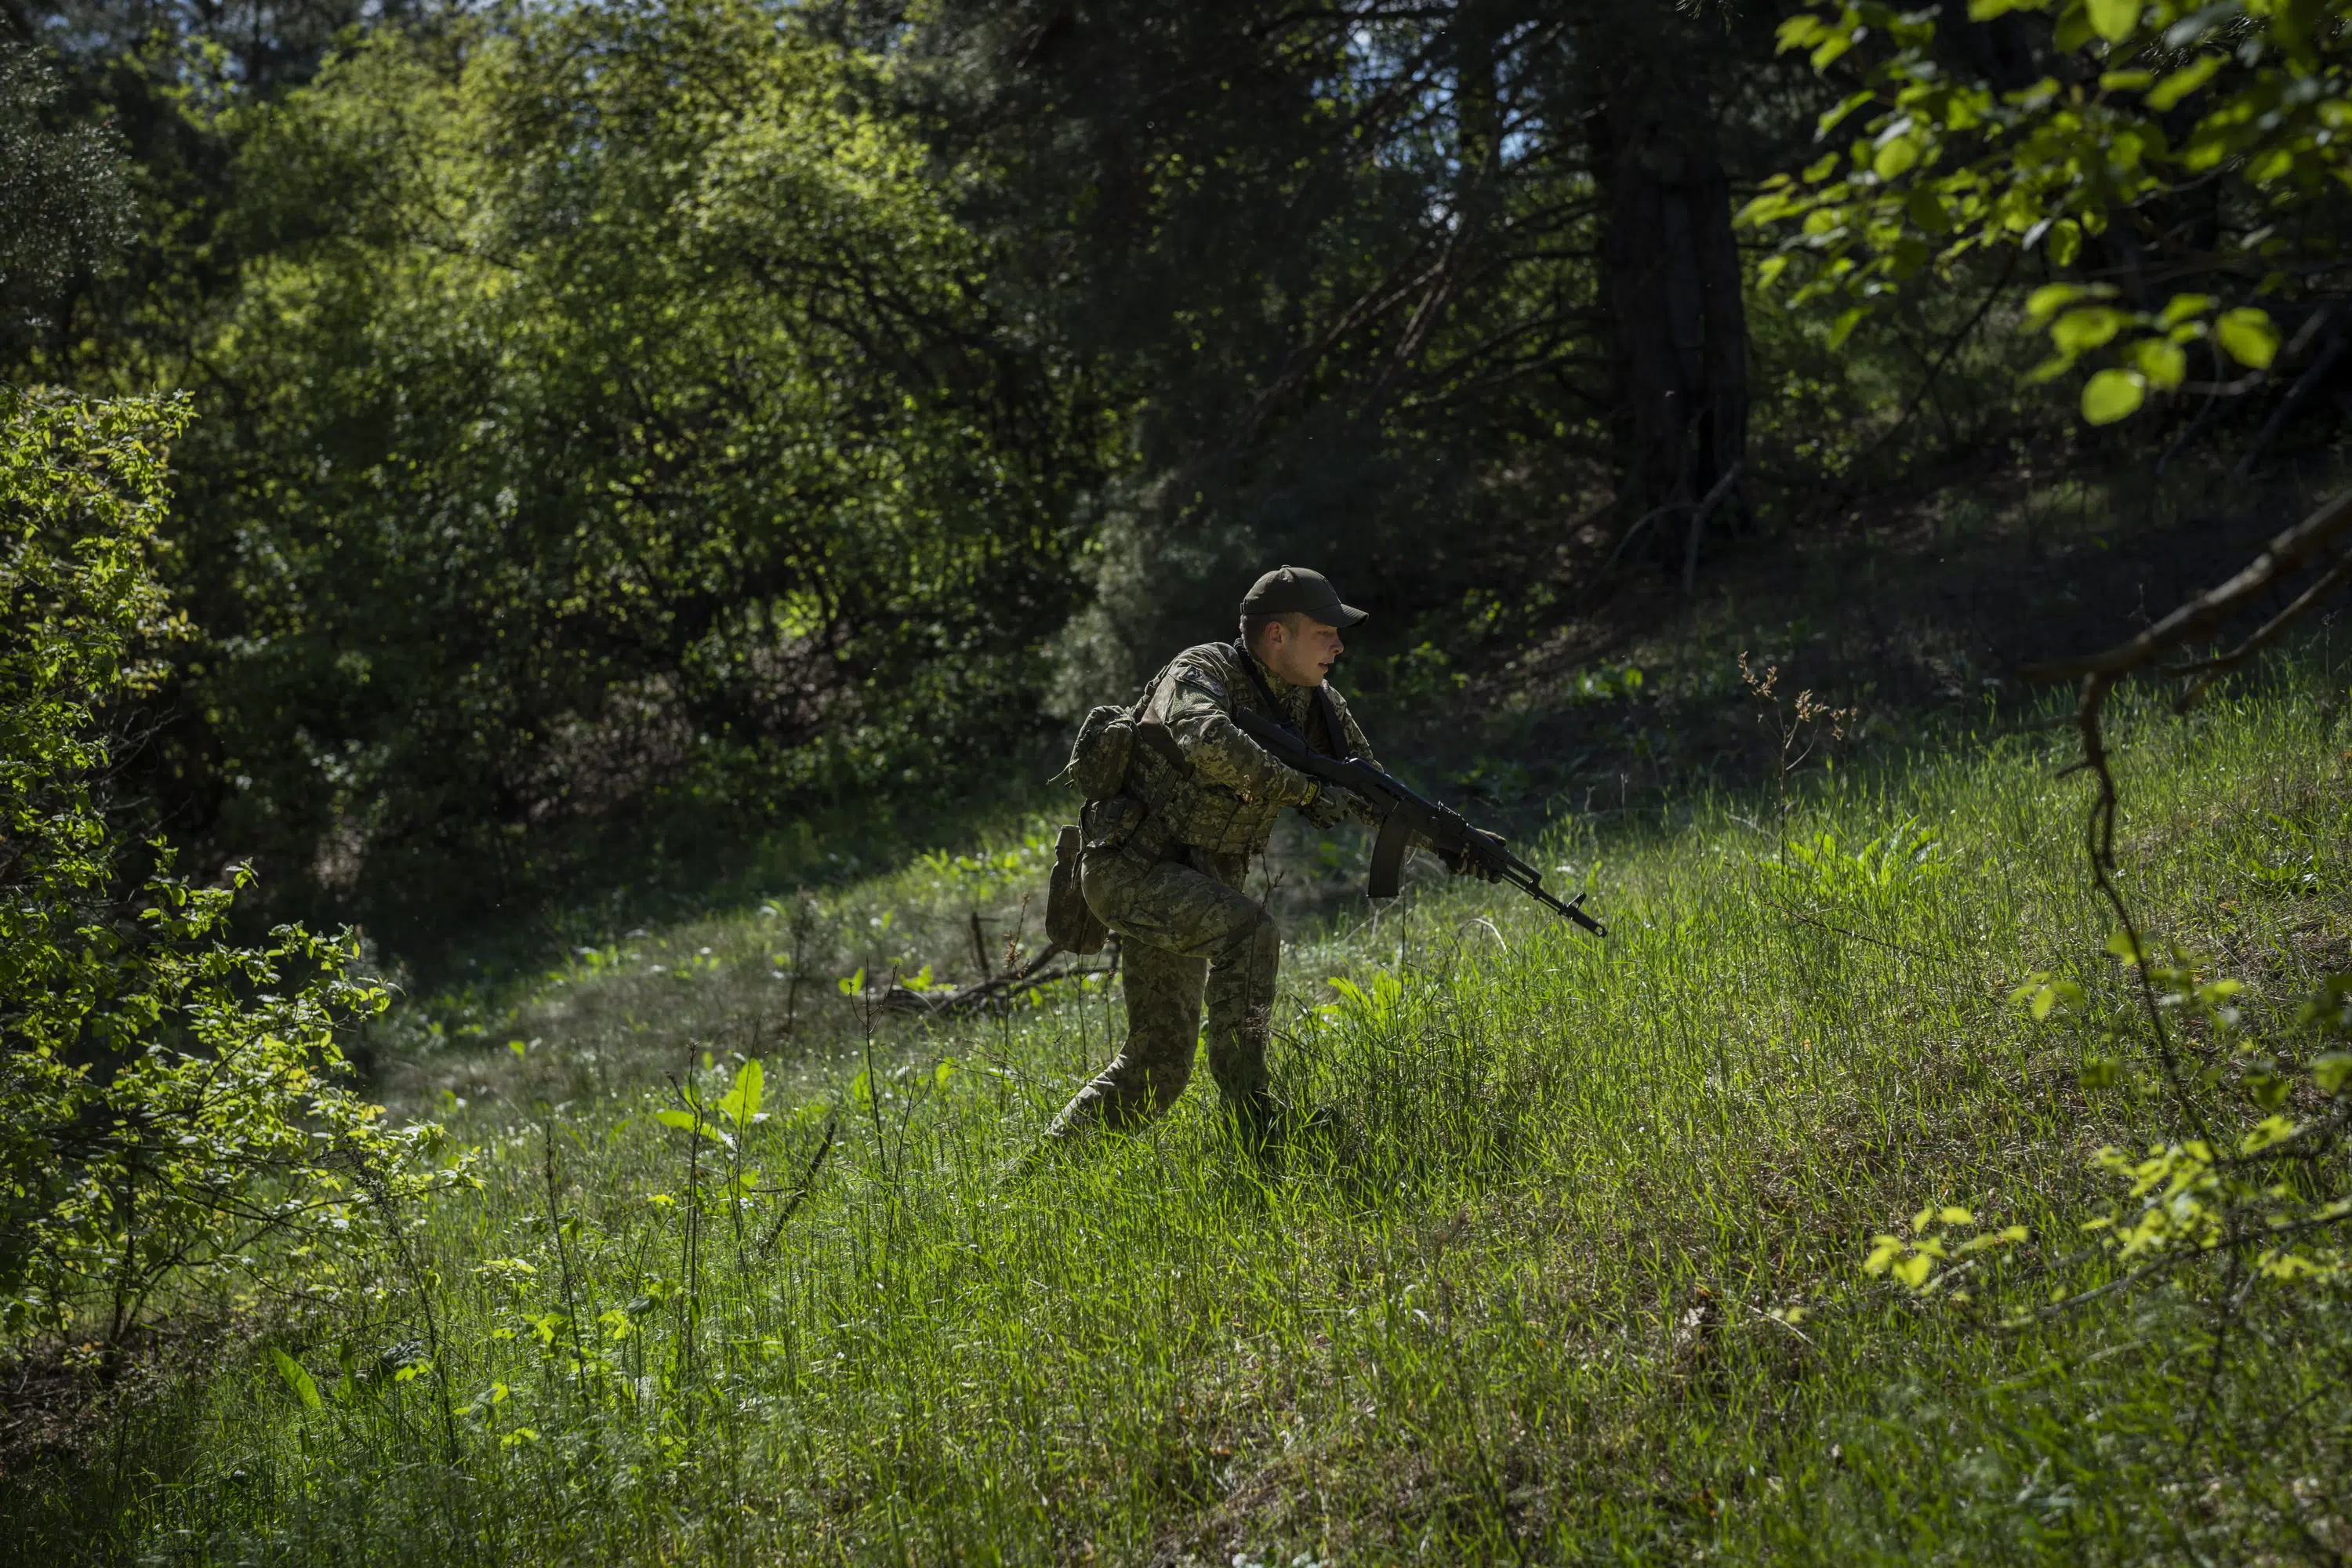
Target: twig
x,y
1857,936
2212,669
800,1188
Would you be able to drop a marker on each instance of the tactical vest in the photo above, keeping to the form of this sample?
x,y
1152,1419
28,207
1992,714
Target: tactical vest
x,y
1189,809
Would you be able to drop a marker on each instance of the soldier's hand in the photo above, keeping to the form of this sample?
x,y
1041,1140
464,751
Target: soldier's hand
x,y
1466,862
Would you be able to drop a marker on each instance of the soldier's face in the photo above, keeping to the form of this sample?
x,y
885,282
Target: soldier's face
x,y
1302,657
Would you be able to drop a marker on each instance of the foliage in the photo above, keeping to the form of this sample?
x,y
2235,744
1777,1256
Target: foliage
x,y
64,204
621,451
174,1110
2155,143
2268,1199
1343,272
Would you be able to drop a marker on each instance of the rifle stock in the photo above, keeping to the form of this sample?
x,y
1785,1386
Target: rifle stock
x,y
1404,813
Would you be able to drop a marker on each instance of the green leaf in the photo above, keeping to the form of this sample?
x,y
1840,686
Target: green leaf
x,y
2248,336
2121,947
1843,328
2052,996
687,1121
2330,1071
2115,20
1801,31
2182,82
742,1099
1829,122
2113,394
1927,211
1914,1270
2079,331
297,1379
1986,10
2163,363
850,986
2048,301
2185,307
741,1102
1895,157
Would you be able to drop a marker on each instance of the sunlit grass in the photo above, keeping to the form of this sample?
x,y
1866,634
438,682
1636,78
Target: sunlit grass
x,y
1567,1270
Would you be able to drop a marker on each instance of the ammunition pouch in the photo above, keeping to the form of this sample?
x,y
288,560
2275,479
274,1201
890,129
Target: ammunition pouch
x,y
1070,923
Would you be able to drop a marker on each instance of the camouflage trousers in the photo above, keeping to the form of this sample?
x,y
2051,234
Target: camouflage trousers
x,y
1184,926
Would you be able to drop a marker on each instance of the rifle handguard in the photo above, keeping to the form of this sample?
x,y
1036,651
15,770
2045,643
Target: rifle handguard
x,y
1401,812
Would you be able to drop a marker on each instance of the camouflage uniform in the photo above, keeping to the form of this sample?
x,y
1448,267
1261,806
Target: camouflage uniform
x,y
1164,868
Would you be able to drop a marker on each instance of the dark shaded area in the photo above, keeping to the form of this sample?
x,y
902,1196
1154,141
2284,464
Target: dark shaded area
x,y
637,442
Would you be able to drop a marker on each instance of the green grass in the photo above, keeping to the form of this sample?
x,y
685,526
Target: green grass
x,y
1524,1298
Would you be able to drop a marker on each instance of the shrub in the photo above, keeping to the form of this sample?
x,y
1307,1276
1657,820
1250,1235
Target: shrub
x,y
174,1109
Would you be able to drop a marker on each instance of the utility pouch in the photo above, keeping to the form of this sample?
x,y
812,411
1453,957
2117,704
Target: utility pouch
x,y
1069,923
1109,824
1098,757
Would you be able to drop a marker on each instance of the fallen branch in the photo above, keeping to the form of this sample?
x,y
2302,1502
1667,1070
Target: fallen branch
x,y
2285,554
966,999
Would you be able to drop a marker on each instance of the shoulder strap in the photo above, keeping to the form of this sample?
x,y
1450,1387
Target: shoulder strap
x,y
1153,735
1265,692
1333,731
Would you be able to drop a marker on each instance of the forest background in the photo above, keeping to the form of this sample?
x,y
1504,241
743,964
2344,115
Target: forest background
x,y
494,480
625,435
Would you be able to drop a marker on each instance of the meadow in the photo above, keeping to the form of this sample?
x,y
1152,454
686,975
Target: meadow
x,y
1566,1266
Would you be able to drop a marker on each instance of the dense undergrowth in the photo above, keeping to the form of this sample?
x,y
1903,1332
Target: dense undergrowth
x,y
1570,1268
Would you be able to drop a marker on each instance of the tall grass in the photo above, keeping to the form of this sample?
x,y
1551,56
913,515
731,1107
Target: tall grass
x,y
1524,1294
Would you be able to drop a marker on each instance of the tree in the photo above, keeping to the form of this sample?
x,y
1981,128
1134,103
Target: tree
x,y
1392,287
613,446
1673,277
65,206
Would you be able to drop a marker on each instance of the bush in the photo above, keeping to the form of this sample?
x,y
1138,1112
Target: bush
x,y
174,1109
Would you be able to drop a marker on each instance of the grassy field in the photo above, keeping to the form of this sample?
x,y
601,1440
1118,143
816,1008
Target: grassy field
x,y
1571,1269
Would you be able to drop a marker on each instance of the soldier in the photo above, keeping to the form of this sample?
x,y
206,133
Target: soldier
x,y
1165,862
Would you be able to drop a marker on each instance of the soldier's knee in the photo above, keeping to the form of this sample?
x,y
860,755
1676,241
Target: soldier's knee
x,y
1257,943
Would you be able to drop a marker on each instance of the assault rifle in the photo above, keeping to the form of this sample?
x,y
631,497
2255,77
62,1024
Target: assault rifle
x,y
1402,814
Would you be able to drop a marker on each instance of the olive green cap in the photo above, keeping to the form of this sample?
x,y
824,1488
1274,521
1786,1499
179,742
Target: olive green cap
x,y
1287,589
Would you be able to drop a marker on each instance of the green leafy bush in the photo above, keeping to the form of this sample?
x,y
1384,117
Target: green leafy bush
x,y
2131,117
174,1109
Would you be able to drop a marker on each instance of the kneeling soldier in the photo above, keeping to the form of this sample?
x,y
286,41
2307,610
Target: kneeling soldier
x,y
1165,862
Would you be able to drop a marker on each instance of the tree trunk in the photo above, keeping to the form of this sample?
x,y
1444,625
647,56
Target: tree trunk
x,y
1672,287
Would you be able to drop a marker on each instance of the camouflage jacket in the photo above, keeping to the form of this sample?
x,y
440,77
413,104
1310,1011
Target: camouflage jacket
x,y
1226,800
